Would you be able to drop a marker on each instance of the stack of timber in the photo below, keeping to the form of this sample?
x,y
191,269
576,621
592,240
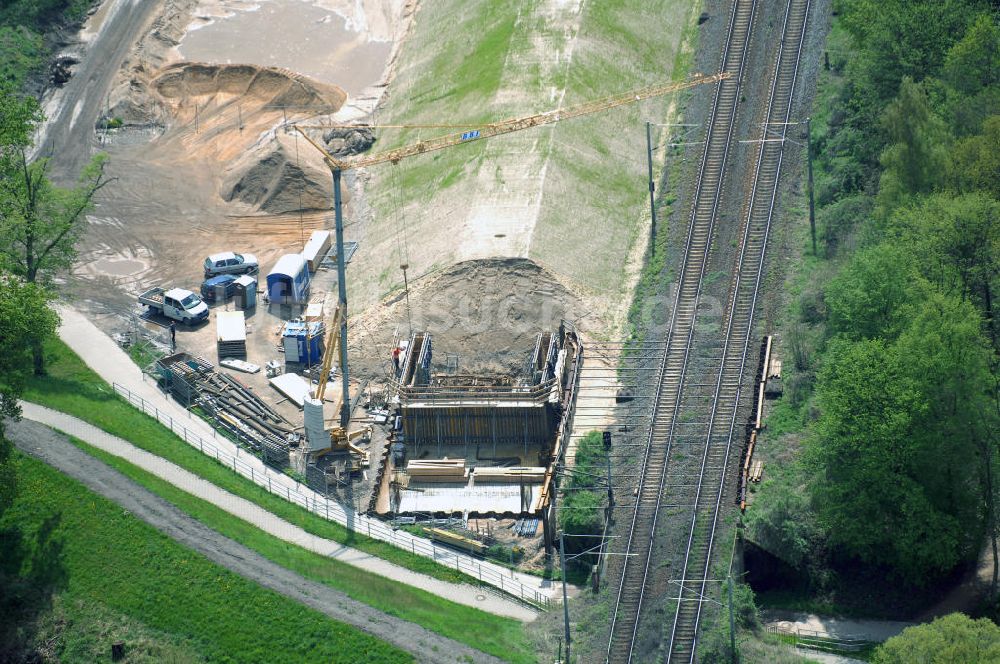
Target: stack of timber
x,y
509,475
456,540
437,470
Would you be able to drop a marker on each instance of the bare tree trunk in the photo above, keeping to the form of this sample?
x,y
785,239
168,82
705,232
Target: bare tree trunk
x,y
38,357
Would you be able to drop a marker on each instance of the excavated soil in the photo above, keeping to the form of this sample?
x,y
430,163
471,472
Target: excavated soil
x,y
484,314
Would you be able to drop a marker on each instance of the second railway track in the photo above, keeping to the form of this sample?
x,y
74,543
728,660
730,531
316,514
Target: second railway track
x,y
698,483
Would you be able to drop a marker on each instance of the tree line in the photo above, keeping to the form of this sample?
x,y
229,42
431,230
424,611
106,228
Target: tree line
x,y
40,224
894,347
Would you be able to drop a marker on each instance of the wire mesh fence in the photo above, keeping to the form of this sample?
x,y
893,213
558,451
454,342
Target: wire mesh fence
x,y
492,575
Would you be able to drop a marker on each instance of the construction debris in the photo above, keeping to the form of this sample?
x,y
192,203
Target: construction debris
x,y
230,404
239,365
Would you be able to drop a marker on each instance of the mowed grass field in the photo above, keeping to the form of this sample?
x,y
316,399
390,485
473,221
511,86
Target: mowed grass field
x,y
104,565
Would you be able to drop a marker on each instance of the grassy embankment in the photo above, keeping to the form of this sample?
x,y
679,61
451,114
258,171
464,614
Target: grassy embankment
x,y
498,636
593,208
92,575
73,388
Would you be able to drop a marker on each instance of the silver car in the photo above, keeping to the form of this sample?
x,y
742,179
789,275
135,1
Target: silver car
x,y
228,262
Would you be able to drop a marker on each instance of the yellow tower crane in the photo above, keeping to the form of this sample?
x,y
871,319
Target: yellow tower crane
x,y
339,435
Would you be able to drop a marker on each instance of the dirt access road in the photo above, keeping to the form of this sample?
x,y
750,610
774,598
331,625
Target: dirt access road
x,y
70,130
54,449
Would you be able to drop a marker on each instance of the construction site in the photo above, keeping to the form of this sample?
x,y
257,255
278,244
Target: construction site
x,y
410,284
450,402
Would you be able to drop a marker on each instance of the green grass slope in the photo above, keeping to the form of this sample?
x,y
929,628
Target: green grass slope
x,y
475,61
502,637
65,537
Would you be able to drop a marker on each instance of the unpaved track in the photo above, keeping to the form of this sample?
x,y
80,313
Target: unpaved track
x,y
55,449
69,135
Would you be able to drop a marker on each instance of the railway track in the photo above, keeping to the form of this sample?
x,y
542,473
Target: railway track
x,y
674,362
697,452
719,430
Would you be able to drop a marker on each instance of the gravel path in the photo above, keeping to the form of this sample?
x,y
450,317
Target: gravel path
x,y
70,131
866,630
54,449
267,521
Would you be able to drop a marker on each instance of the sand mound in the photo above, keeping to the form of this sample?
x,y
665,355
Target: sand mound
x,y
486,312
271,178
182,81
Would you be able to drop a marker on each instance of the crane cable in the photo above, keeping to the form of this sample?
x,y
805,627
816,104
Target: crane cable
x,y
298,165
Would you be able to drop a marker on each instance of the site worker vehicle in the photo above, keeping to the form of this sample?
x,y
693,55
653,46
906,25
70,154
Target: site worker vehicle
x,y
177,304
228,262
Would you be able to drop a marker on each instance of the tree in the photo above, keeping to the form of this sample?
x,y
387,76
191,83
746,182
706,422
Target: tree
x,y
975,161
865,495
870,297
953,638
900,38
25,320
893,40
973,63
917,155
948,359
956,241
39,222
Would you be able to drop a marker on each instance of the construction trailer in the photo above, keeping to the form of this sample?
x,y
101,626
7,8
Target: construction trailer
x,y
288,280
317,248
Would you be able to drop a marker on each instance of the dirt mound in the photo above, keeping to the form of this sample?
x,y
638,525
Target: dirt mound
x,y
485,313
274,178
348,141
276,87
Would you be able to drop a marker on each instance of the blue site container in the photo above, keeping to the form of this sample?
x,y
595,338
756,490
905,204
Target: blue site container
x,y
288,281
303,342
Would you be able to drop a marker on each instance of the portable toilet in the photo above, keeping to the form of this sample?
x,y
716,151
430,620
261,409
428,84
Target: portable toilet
x,y
246,292
288,280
